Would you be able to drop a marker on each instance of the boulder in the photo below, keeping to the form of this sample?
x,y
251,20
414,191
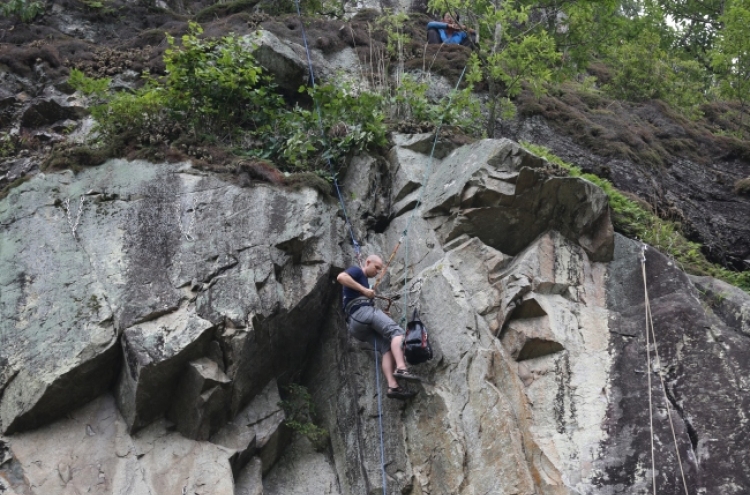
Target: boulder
x,y
726,301
8,106
154,266
155,354
256,430
301,471
92,451
58,344
702,361
48,110
368,204
250,480
497,191
199,405
281,59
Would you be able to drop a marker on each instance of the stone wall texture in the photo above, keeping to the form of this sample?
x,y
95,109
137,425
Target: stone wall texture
x,y
152,317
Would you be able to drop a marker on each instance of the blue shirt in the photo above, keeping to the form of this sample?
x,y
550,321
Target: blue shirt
x,y
359,276
455,39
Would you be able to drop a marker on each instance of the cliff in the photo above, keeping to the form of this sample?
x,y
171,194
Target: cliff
x,y
155,317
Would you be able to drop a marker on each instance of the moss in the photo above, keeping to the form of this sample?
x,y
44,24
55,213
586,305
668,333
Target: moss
x,y
742,187
649,133
635,218
78,157
224,9
309,179
8,187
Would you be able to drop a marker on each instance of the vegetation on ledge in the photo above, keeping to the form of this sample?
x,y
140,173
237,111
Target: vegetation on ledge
x,y
634,219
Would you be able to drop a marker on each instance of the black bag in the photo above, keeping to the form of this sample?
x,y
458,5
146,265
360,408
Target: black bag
x,y
417,348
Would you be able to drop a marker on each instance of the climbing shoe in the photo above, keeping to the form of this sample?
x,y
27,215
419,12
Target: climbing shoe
x,y
406,375
400,393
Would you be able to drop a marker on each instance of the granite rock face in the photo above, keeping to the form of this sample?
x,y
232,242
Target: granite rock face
x,y
539,383
138,269
153,315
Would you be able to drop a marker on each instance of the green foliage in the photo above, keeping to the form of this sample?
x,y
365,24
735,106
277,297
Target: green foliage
x,y
730,58
638,73
300,415
211,86
352,120
644,70
697,24
396,37
634,220
330,8
127,113
409,101
89,86
519,52
214,87
8,145
216,83
25,10
93,4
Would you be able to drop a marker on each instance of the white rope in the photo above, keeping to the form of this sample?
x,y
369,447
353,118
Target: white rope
x,y
650,322
648,373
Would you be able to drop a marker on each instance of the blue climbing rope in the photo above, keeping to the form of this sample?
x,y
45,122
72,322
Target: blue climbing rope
x,y
354,239
380,416
322,134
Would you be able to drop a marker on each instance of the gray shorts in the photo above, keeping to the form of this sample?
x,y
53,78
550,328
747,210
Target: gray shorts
x,y
369,324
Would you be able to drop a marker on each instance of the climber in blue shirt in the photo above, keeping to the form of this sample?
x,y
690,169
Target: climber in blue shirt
x,y
449,32
369,324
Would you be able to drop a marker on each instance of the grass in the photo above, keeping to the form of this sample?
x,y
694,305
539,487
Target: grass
x,y
635,220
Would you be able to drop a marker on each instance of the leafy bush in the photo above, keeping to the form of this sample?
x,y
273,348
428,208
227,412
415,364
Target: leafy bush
x,y
215,84
25,10
8,146
352,121
300,415
89,86
214,89
634,220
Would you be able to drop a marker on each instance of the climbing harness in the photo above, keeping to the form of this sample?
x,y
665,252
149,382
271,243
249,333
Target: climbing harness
x,y
322,134
657,361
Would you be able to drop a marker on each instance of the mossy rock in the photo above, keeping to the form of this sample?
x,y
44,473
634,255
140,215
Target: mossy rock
x,y
742,187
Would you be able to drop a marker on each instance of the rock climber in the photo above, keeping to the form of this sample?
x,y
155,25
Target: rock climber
x,y
450,32
369,324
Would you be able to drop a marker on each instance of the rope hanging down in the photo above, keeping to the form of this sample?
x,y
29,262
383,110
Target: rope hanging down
x,y
657,360
380,418
351,233
323,135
